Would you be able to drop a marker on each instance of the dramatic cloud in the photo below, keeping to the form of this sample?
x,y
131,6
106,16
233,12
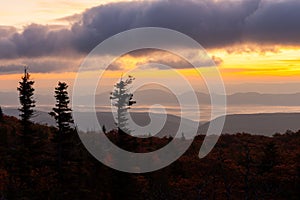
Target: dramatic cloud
x,y
6,31
38,40
274,22
8,69
39,65
212,23
160,59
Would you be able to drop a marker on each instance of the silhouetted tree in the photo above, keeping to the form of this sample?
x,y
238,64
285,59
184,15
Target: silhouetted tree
x,y
26,100
122,99
63,116
62,113
24,159
1,114
103,129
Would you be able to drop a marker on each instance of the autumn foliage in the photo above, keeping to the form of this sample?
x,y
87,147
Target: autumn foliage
x,y
241,166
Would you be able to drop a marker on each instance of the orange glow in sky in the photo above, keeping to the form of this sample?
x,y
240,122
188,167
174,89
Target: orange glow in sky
x,y
238,64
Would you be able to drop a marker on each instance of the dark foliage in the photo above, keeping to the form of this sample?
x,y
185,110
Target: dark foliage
x,y
26,100
241,166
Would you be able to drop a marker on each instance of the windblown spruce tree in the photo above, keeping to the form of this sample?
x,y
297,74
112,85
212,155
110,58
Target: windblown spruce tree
x,y
122,100
123,184
26,100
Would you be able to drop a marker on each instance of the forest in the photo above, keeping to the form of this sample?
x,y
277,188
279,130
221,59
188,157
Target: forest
x,y
241,166
43,162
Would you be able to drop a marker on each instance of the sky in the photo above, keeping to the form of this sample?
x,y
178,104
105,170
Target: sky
x,y
255,43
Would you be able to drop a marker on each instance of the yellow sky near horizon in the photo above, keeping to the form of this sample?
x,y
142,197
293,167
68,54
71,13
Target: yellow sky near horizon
x,y
281,65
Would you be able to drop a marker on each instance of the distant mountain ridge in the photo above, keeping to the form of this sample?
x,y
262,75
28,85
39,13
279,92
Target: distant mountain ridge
x,y
157,96
257,124
107,119
254,98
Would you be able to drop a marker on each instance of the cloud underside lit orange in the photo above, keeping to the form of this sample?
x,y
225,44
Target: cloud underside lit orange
x,y
280,65
236,67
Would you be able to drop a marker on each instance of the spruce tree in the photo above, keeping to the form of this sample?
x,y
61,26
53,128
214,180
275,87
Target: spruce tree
x,y
122,100
123,184
63,117
104,129
1,115
26,92
24,159
61,112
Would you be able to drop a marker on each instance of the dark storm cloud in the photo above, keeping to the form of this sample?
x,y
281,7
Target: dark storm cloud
x,y
42,66
277,22
39,66
38,40
211,23
10,69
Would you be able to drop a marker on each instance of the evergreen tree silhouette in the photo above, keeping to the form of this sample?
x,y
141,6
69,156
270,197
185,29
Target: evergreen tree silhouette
x,y
122,99
26,92
123,183
1,115
104,129
62,113
63,117
24,159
